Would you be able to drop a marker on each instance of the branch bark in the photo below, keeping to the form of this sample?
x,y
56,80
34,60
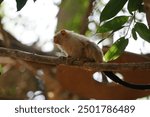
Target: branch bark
x,y
14,53
84,22
51,60
147,10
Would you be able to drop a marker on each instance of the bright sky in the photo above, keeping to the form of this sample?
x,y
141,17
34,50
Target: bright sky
x,y
39,20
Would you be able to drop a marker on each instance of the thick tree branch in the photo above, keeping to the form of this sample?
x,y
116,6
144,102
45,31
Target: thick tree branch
x,y
147,10
51,60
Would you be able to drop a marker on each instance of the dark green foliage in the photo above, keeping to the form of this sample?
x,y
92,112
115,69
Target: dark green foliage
x,y
143,31
116,49
134,34
134,5
114,24
1,1
111,9
20,4
141,8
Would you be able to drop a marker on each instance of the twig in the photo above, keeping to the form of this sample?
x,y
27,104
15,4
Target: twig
x,y
51,60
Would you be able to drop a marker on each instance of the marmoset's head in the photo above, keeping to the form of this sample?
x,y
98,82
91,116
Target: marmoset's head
x,y
60,37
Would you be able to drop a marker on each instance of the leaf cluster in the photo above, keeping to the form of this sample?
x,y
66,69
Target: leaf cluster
x,y
110,22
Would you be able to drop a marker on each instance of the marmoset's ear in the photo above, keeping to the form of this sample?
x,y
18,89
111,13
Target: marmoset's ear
x,y
63,32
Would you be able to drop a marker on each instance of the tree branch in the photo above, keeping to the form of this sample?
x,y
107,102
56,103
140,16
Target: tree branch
x,y
147,10
51,60
14,53
84,23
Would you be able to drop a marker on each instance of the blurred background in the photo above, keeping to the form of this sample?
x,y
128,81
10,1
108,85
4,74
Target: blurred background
x,y
32,29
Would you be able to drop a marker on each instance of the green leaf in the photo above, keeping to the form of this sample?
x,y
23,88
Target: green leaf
x,y
20,4
111,9
113,24
134,33
143,31
134,5
116,49
141,9
1,1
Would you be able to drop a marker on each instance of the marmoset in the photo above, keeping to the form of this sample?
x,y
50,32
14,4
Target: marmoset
x,y
79,46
